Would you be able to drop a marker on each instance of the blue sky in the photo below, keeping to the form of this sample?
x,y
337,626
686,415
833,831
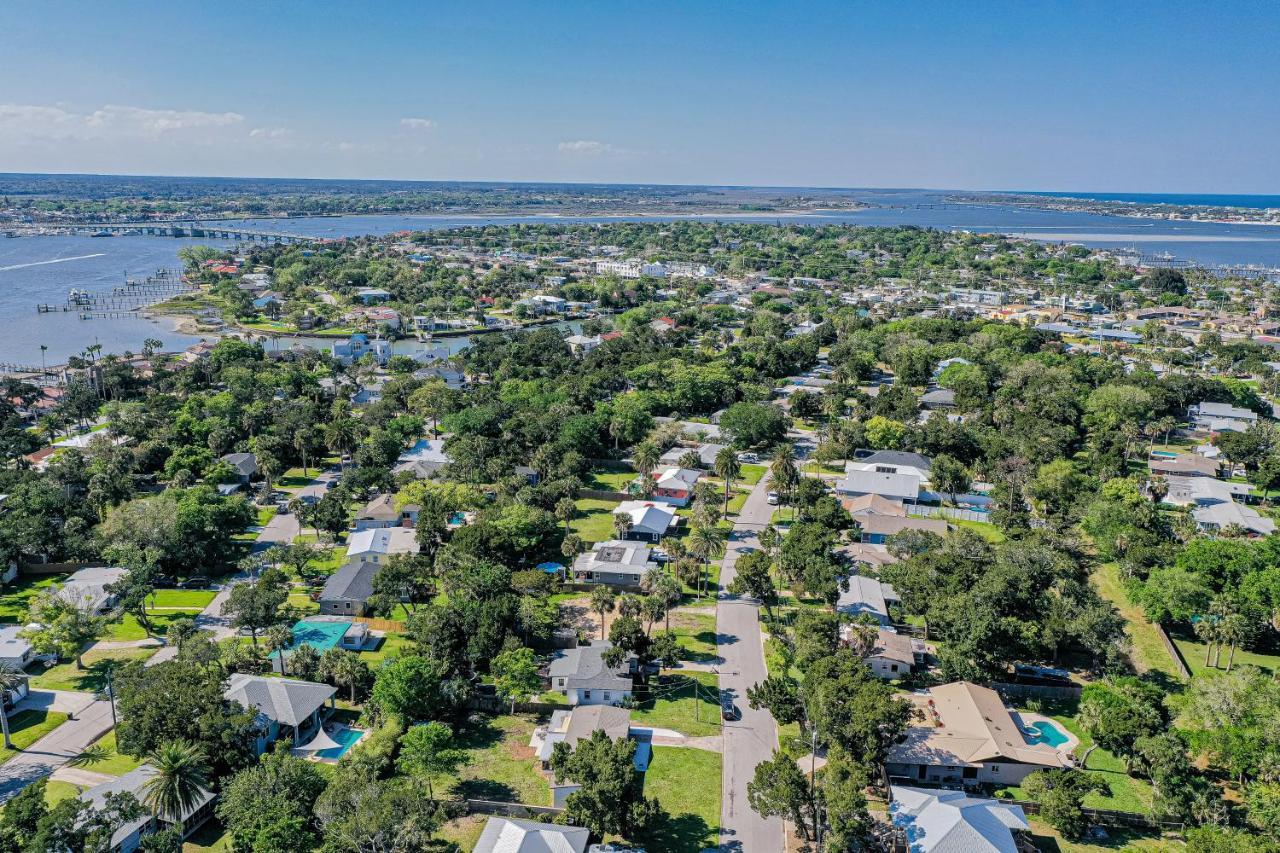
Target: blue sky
x,y
1127,96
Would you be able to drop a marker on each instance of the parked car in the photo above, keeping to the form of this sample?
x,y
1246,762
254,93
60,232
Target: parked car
x,y
748,457
660,556
727,709
773,498
194,582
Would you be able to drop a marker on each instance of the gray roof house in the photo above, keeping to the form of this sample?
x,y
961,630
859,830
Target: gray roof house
x,y
894,458
14,650
126,838
867,595
424,459
583,677
347,591
1221,417
87,587
508,835
285,706
894,486
245,465
939,821
383,512
615,562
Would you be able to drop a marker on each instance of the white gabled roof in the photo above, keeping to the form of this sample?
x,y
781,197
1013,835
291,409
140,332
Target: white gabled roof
x,y
507,835
383,540
647,516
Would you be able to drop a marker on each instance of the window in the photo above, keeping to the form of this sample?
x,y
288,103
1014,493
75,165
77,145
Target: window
x,y
586,694
561,680
893,667
606,696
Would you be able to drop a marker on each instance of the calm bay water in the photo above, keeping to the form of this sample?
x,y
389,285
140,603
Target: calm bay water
x,y
44,269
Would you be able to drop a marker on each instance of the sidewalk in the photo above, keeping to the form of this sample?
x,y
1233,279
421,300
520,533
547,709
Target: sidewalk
x,y
55,749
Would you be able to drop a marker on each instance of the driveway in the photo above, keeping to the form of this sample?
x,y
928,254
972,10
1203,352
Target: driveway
x,y
281,529
753,737
55,749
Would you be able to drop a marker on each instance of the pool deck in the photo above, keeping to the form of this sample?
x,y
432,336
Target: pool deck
x,y
1026,718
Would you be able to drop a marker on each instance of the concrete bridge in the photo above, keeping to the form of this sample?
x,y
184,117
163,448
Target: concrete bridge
x,y
212,230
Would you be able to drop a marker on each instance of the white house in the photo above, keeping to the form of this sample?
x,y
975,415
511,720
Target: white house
x,y
424,459
869,596
508,835
87,588
14,650
584,678
937,821
359,345
375,544
650,521
1221,417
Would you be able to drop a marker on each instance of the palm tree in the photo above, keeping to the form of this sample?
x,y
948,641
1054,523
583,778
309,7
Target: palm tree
x,y
1207,632
728,469
349,671
181,780
707,544
783,471
621,524
602,602
645,457
11,678
565,510
278,638
659,585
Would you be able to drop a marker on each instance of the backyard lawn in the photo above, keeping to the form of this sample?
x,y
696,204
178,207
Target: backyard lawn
x,y
1049,840
1148,652
688,702
92,678
687,784
392,645
984,529
1193,653
500,764
751,474
17,595
593,520
27,727
610,481
696,633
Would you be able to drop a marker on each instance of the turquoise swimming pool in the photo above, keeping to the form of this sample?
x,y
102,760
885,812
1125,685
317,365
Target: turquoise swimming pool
x,y
1043,731
345,738
320,635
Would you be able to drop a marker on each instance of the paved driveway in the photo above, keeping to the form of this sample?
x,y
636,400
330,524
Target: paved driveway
x,y
754,736
55,749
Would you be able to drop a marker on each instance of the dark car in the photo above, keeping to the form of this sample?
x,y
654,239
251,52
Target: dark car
x,y
727,709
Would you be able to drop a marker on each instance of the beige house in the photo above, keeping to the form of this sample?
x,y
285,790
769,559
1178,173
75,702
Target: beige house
x,y
967,736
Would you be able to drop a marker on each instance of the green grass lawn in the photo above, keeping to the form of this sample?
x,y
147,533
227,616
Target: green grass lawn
x,y
500,764
675,704
594,520
696,633
687,784
16,596
92,678
736,500
196,599
27,727
1193,653
751,474
1148,652
210,838
463,831
1049,840
610,481
56,791
984,529
392,645
1125,794
113,764
129,628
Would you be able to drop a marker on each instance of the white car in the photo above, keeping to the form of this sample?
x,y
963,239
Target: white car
x,y
748,457
773,499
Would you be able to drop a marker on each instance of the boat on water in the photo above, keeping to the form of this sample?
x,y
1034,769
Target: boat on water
x,y
101,234
77,296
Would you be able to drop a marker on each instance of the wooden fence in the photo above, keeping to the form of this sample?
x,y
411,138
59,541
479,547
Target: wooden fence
x,y
395,626
603,495
1109,817
1173,651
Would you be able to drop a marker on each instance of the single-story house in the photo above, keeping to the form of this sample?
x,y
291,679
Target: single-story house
x,y
1214,517
872,504
244,464
939,821
675,485
582,344
424,459
893,486
583,677
128,837
706,454
1185,465
876,529
286,707
614,563
650,521
383,512
347,591
866,554
1221,417
14,650
87,588
371,295
938,398
891,462
377,543
577,724
1203,491
508,835
867,595
967,736
893,655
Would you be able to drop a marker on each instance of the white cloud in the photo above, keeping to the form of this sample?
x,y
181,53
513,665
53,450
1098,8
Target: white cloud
x,y
29,122
273,133
589,147
417,123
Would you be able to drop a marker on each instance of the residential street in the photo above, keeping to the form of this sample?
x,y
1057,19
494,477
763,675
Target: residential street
x,y
92,721
752,737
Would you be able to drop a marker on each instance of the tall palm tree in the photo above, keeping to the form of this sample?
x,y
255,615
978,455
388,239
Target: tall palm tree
x,y
707,544
602,602
11,679
180,781
349,672
279,638
646,456
728,469
783,472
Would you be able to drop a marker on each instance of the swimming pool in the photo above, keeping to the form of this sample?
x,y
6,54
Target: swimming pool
x,y
1043,731
345,738
319,634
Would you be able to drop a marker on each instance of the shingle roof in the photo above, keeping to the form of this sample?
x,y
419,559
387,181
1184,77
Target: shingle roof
x,y
897,457
284,700
585,667
953,822
381,508
507,835
352,582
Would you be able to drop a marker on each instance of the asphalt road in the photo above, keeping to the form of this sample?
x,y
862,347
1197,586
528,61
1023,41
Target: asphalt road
x,y
55,749
752,737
